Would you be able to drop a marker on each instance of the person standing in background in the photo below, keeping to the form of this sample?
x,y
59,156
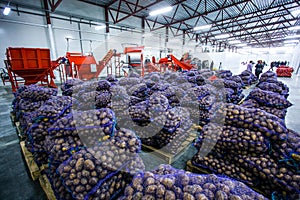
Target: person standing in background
x,y
250,65
259,68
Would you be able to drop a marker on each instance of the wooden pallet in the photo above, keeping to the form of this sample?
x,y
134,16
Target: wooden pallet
x,y
45,184
13,118
168,157
194,169
19,131
33,168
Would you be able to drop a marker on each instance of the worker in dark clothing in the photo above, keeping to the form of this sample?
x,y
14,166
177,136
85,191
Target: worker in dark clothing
x,y
259,68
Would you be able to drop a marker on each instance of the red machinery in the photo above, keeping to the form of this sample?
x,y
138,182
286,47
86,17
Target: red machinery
x,y
284,71
173,63
135,57
85,67
29,66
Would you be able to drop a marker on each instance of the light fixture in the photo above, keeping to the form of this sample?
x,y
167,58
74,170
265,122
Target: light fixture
x,y
295,12
99,27
241,45
204,27
289,44
290,41
160,11
292,36
234,42
6,10
294,28
222,36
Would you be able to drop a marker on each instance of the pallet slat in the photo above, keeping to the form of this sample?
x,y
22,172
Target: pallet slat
x,y
34,170
168,157
194,169
13,118
19,131
45,184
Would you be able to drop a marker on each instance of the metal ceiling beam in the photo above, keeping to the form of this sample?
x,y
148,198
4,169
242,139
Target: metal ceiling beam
x,y
136,10
251,16
259,26
93,3
54,4
200,14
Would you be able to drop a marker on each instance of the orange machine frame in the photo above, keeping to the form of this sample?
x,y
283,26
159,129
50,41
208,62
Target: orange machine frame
x,y
29,66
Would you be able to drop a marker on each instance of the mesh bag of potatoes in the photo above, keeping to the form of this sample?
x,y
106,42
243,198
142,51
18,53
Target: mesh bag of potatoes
x,y
224,165
42,119
30,98
36,93
103,85
273,176
140,90
270,99
254,119
273,87
85,100
91,126
287,153
252,103
54,108
248,78
223,73
69,84
103,100
231,139
103,171
177,184
260,172
60,149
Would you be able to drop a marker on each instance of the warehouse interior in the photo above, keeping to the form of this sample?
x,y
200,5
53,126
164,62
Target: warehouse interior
x,y
177,81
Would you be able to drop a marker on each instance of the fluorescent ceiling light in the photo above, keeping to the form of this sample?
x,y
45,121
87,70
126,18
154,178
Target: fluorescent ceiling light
x,y
292,36
160,11
204,27
290,41
222,36
234,42
289,44
241,45
99,27
294,28
295,12
6,10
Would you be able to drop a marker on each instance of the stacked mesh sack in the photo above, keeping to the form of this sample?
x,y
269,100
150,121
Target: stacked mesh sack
x,y
268,101
104,170
269,95
166,182
248,78
268,81
72,133
194,77
234,89
43,118
223,73
151,107
27,100
245,144
199,100
67,89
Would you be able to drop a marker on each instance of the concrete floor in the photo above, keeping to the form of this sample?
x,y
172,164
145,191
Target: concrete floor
x,y
16,182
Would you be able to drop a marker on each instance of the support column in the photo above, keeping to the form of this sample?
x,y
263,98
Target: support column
x,y
52,42
50,31
143,32
167,39
80,37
